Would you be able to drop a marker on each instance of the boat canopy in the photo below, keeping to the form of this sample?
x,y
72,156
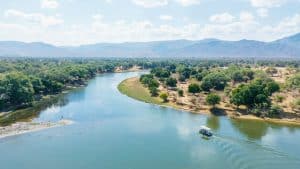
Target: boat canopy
x,y
205,128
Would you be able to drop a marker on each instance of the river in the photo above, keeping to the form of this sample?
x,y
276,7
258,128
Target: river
x,y
112,131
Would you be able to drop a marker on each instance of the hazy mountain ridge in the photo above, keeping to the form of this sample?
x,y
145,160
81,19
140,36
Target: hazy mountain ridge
x,y
285,47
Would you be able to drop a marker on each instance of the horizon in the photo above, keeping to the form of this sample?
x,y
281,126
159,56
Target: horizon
x,y
195,40
59,23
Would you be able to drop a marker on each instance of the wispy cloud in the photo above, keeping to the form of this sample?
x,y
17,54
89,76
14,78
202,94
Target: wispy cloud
x,y
150,3
166,17
50,4
34,17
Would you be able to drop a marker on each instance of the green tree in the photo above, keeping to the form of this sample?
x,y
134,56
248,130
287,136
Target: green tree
x,y
153,83
237,76
217,80
153,91
194,88
164,97
18,88
213,99
180,92
172,82
37,84
254,94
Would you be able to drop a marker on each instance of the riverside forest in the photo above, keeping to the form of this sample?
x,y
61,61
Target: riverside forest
x,y
265,89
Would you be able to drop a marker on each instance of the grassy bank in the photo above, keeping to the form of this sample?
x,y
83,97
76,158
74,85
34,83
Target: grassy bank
x,y
134,89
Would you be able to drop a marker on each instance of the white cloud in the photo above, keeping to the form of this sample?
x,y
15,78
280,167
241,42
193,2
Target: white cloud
x,y
267,3
288,25
246,17
97,17
50,4
166,17
221,18
34,17
150,3
100,29
262,12
188,2
158,3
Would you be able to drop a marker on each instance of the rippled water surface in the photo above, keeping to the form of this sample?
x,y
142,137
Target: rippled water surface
x,y
113,131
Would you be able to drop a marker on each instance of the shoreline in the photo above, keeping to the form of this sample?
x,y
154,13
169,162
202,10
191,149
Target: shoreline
x,y
20,128
204,110
32,111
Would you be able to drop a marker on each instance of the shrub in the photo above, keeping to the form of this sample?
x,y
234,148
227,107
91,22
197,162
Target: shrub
x,y
194,88
279,98
164,97
172,82
153,91
275,111
180,92
216,81
213,99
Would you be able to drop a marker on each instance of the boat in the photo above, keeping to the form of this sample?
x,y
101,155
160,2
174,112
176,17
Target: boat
x,y
205,131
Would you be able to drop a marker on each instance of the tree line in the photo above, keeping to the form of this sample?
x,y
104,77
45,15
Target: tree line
x,y
248,87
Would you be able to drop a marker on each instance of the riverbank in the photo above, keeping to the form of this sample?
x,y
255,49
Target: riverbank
x,y
27,127
26,114
133,88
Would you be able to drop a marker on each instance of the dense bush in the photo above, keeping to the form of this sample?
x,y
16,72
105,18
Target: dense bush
x,y
254,94
213,99
164,97
194,88
180,92
294,81
215,80
172,82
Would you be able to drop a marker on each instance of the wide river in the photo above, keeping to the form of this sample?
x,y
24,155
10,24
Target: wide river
x,y
112,131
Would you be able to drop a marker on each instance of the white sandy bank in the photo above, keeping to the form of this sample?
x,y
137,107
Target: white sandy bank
x,y
26,127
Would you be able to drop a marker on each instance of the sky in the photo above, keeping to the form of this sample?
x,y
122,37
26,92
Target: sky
x,y
76,22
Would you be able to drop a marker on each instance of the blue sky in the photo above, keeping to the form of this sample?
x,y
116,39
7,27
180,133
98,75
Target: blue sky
x,y
75,22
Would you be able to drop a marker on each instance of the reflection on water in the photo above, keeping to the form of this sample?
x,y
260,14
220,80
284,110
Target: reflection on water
x,y
213,122
250,128
256,129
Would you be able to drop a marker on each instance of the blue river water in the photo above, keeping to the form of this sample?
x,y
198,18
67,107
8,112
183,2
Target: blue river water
x,y
112,131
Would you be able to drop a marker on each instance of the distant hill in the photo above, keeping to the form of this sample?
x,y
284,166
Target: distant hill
x,y
288,47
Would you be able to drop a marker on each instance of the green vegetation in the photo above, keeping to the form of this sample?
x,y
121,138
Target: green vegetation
x,y
245,88
215,80
164,97
213,99
254,94
194,88
294,81
151,83
180,92
132,88
25,83
172,82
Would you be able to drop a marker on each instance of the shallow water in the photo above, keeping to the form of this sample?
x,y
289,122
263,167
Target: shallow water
x,y
113,131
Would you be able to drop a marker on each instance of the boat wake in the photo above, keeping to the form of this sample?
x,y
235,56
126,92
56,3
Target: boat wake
x,y
237,153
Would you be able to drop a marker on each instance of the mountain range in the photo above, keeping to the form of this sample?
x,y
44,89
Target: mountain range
x,y
288,47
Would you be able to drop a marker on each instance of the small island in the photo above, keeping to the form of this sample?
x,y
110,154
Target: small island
x,y
241,91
